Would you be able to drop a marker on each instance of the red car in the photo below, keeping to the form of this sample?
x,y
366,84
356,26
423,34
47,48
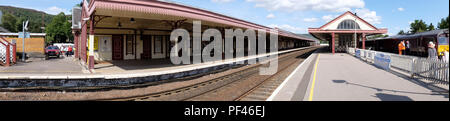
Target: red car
x,y
52,51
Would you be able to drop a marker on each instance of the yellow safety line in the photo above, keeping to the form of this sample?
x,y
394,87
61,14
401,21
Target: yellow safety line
x,y
314,79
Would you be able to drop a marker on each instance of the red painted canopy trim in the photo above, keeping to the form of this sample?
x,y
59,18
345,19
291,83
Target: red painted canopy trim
x,y
164,8
348,12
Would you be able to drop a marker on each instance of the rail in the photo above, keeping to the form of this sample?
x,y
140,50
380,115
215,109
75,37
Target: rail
x,y
191,92
7,56
433,70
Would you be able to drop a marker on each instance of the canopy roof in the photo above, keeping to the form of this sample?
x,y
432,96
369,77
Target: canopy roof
x,y
153,9
344,24
433,33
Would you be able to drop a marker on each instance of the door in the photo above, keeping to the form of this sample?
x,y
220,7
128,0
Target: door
x,y
117,47
147,41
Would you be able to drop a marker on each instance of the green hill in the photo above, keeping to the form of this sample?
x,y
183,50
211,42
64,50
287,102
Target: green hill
x,y
34,16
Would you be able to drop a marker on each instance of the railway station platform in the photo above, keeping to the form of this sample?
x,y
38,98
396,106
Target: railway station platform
x,y
122,73
343,77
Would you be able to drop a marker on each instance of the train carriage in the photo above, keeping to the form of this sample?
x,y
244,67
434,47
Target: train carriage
x,y
418,42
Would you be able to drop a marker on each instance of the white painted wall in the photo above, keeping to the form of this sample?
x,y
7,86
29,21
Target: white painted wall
x,y
104,52
335,24
105,55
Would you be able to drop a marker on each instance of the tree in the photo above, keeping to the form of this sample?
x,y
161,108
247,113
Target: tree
x,y
401,32
431,27
418,26
58,31
19,24
377,36
444,23
9,22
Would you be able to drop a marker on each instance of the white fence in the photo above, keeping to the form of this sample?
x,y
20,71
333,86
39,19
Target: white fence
x,y
428,69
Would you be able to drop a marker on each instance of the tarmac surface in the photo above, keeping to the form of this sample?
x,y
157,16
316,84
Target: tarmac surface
x,y
62,65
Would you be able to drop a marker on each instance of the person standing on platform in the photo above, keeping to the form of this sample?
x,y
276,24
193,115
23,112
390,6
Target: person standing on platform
x,y
407,51
401,47
69,51
432,54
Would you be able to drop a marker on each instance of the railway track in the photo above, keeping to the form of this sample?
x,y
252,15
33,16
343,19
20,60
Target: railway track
x,y
240,85
258,87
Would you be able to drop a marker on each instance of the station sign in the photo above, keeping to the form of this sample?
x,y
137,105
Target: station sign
x,y
383,61
27,35
358,53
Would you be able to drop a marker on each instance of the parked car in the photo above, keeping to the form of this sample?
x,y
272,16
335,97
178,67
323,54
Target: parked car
x,y
52,51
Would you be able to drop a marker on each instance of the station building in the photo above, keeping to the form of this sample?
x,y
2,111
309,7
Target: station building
x,y
108,30
345,31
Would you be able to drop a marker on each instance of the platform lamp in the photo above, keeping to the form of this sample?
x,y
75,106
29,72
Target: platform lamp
x,y
132,20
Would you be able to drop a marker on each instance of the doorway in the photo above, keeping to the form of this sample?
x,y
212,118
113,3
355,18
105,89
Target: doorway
x,y
117,53
146,47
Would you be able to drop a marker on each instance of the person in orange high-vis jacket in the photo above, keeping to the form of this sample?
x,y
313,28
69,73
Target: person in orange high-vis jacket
x,y
401,47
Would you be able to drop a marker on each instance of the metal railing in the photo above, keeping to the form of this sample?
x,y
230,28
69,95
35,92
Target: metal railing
x,y
7,52
417,67
431,69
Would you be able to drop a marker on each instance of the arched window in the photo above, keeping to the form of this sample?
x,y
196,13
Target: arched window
x,y
348,24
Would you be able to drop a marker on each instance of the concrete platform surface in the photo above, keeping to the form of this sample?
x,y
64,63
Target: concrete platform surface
x,y
342,77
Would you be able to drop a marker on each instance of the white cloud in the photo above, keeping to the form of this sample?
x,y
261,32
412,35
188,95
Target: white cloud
x,y
310,19
368,15
400,9
289,28
328,18
56,10
308,5
270,16
221,1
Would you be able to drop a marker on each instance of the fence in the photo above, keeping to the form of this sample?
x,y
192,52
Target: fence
x,y
7,52
428,69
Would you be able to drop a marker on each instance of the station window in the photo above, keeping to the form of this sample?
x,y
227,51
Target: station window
x,y
130,44
158,46
348,24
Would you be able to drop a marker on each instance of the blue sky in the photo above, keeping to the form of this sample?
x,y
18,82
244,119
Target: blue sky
x,y
295,15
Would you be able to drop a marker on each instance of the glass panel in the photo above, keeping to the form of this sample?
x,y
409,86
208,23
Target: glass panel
x,y
443,41
348,24
130,39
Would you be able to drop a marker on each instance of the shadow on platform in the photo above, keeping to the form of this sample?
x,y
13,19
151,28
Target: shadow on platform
x,y
389,90
389,97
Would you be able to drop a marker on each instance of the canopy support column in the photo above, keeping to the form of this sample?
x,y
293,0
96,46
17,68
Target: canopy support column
x,y
363,40
91,43
332,43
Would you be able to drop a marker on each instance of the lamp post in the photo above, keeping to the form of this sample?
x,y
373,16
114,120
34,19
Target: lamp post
x,y
354,28
24,27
